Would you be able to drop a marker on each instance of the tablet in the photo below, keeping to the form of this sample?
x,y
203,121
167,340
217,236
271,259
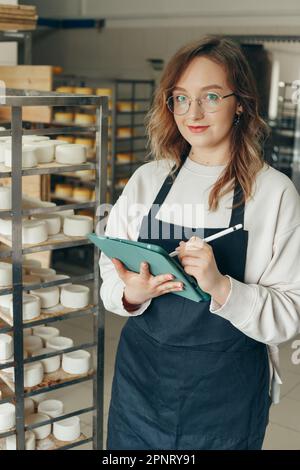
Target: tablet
x,y
132,253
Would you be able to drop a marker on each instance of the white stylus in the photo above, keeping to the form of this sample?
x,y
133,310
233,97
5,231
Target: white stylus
x,y
217,235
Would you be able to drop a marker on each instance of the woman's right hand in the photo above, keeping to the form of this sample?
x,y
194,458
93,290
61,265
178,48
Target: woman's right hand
x,y
142,286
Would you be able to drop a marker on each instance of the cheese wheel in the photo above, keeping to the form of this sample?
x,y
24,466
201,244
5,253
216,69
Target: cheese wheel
x,y
40,432
28,406
34,231
42,272
31,307
67,429
83,90
72,154
63,190
29,263
69,139
76,362
5,274
52,408
7,416
29,280
11,441
59,342
75,296
45,151
50,364
5,300
65,89
124,132
53,222
28,139
104,92
84,119
29,156
82,194
63,117
49,296
33,343
6,347
45,332
88,143
5,198
78,225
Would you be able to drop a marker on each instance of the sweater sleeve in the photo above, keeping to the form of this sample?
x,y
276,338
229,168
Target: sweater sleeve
x,y
269,311
119,225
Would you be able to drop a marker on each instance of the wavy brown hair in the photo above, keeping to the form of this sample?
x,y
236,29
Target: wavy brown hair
x,y
166,142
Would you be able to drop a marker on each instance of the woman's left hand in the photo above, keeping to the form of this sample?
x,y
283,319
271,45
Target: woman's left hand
x,y
198,260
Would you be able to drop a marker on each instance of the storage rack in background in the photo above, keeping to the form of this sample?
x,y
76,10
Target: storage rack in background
x,y
16,100
282,146
129,102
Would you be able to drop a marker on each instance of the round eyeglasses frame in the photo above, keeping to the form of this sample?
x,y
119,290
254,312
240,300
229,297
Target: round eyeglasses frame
x,y
199,100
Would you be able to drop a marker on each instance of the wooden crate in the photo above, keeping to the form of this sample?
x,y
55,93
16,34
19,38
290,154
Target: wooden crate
x,y
30,77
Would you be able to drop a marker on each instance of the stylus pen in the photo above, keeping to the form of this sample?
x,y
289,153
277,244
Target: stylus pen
x,y
217,235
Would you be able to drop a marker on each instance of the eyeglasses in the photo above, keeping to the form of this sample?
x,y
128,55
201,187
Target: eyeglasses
x,y
211,102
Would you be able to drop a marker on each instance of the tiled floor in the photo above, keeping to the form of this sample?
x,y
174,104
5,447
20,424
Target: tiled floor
x,y
283,431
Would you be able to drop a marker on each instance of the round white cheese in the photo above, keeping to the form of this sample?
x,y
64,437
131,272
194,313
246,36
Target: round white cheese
x,y
71,154
59,342
7,416
33,374
75,296
5,197
45,332
11,441
6,347
32,343
49,296
5,274
29,156
52,408
42,431
31,307
50,364
67,429
34,231
76,362
45,151
53,222
42,272
77,225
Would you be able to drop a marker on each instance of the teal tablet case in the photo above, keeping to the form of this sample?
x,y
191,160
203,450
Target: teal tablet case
x,y
132,253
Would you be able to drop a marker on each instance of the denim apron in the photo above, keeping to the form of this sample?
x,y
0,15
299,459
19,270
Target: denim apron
x,y
186,378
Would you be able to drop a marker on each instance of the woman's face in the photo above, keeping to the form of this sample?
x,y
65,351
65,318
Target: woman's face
x,y
203,75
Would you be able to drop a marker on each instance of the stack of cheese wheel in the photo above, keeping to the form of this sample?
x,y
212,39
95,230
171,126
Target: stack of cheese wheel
x,y
5,198
5,274
77,225
72,154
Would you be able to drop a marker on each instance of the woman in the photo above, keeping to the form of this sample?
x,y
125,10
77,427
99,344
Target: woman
x,y
194,375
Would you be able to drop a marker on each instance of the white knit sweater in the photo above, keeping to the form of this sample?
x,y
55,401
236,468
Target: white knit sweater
x,y
266,306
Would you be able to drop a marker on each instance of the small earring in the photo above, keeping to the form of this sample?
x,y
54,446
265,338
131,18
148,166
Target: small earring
x,y
237,119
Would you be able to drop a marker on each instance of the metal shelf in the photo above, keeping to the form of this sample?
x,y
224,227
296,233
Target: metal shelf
x,y
16,99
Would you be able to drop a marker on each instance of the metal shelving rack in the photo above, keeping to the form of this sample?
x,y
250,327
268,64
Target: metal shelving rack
x,y
24,40
130,90
16,100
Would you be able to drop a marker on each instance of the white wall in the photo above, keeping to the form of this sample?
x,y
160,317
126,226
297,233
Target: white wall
x,y
8,51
